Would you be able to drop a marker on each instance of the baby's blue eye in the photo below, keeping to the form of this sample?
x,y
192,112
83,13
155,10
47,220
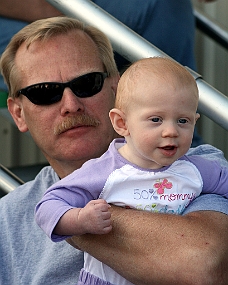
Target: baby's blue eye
x,y
155,120
182,121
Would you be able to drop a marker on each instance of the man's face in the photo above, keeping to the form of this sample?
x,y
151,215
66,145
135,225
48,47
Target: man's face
x,y
62,59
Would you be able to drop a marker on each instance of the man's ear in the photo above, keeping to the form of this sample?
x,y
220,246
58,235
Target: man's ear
x,y
16,111
118,120
114,83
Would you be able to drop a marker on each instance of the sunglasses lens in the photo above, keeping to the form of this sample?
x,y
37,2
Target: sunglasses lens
x,y
44,94
50,92
87,85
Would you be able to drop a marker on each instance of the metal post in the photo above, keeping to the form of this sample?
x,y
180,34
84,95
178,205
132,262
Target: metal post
x,y
133,47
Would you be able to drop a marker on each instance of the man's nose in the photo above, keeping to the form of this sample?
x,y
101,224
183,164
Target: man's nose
x,y
70,103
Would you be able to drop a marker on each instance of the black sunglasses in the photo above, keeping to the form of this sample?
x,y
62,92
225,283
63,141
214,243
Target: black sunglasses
x,y
48,93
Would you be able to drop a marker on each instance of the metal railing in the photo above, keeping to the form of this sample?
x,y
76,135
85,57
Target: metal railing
x,y
8,181
211,28
133,47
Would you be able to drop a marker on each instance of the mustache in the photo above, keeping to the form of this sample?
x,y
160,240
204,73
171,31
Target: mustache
x,y
73,121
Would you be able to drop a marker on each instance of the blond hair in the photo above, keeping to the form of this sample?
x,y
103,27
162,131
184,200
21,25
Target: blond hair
x,y
162,67
43,30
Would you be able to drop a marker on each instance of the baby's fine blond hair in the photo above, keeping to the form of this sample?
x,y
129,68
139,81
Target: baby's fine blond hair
x,y
158,67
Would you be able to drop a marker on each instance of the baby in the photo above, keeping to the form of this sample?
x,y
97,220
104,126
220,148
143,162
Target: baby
x,y
155,112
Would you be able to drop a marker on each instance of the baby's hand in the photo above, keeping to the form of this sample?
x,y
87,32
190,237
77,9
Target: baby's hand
x,y
95,217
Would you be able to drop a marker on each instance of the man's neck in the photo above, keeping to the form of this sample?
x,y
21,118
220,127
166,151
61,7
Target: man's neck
x,y
65,168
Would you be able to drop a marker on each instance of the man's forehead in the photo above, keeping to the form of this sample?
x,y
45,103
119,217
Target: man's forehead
x,y
72,42
75,38
71,55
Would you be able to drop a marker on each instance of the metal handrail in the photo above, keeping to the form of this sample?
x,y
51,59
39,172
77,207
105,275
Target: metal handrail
x,y
8,180
211,28
133,47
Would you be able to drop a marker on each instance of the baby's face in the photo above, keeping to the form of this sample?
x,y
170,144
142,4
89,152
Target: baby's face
x,y
161,116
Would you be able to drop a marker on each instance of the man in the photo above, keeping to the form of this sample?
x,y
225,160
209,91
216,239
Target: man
x,y
70,124
167,24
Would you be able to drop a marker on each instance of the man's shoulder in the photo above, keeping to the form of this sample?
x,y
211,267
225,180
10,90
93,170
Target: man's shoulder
x,y
24,245
209,152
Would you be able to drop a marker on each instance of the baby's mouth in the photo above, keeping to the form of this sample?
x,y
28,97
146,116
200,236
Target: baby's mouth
x,y
168,150
169,147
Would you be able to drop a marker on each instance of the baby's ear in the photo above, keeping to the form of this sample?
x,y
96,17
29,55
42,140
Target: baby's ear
x,y
118,120
197,117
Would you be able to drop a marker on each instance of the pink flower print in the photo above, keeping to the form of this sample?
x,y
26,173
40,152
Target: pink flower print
x,y
162,185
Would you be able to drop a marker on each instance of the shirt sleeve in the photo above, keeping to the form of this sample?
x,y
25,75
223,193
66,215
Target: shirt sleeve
x,y
214,173
73,191
214,176
208,202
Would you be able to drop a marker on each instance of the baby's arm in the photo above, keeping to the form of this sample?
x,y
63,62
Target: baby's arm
x,y
94,218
